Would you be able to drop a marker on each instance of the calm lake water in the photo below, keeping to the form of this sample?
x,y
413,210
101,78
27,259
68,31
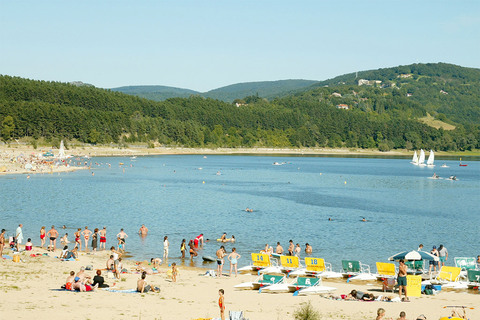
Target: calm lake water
x,y
182,196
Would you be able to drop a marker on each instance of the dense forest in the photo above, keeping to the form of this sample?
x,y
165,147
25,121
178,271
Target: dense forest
x,y
381,113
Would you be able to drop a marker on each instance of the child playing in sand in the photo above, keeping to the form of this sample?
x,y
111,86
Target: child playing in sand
x,y
174,272
221,303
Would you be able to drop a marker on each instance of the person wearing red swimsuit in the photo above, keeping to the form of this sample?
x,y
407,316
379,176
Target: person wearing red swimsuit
x,y
221,303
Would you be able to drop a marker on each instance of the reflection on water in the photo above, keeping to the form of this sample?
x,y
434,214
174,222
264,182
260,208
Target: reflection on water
x,y
171,196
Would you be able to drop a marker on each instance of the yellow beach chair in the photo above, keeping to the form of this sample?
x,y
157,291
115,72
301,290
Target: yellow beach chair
x,y
289,263
386,270
317,265
259,261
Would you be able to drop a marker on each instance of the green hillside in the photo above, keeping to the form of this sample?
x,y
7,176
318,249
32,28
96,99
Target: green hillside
x,y
381,115
157,93
265,89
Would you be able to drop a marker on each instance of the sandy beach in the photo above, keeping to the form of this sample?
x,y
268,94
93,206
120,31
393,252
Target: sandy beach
x,y
31,290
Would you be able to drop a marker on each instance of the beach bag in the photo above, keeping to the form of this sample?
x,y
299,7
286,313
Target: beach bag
x,y
428,289
16,258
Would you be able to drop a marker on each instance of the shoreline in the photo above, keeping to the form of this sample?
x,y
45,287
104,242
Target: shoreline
x,y
35,281
15,158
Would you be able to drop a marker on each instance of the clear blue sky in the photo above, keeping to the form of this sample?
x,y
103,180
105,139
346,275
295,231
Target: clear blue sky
x,y
202,45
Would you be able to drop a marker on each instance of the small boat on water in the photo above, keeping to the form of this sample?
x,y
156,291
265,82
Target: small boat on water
x,y
444,166
462,165
431,159
421,159
415,158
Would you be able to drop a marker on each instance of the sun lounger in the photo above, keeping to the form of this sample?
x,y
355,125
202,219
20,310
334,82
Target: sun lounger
x,y
449,277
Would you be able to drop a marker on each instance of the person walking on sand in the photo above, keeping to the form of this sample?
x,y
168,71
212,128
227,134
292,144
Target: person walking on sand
x,y
233,258
2,242
220,255
103,238
86,235
42,236
402,280
221,303
19,236
166,244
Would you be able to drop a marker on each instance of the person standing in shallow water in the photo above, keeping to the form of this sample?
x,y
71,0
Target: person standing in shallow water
x,y
103,238
86,235
183,248
166,244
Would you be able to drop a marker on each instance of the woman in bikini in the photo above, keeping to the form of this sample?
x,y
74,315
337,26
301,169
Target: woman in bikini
x,y
233,258
183,248
42,236
78,243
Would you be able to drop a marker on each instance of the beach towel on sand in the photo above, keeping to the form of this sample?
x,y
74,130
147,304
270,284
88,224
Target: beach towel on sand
x,y
121,291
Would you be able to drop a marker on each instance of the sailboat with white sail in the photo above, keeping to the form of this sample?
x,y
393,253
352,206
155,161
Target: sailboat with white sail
x,y
421,158
431,159
415,158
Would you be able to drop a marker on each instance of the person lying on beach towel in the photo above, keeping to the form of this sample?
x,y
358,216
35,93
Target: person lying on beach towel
x,y
82,286
358,295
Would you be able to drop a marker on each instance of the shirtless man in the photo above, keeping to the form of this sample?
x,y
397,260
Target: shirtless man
x,y
291,248
142,285
122,237
86,235
103,238
53,234
220,255
402,279
143,230
279,249
297,250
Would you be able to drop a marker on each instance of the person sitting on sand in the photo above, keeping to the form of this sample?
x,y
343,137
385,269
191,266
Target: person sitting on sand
x,y
69,254
143,286
111,263
99,281
29,245
381,314
70,280
82,275
403,316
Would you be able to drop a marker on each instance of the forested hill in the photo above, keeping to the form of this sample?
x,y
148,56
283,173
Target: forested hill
x,y
438,88
157,93
265,89
340,115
